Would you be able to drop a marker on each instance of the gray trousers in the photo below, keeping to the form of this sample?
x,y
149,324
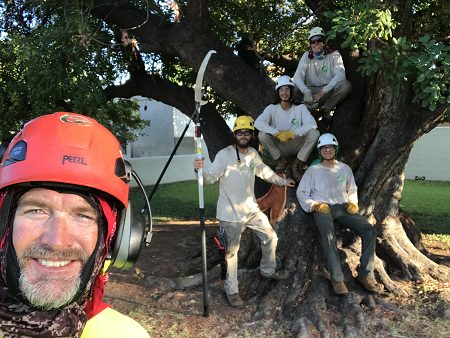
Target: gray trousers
x,y
300,146
335,96
259,223
360,226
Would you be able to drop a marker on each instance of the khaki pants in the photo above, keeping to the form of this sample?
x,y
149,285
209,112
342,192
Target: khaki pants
x,y
259,223
300,146
335,96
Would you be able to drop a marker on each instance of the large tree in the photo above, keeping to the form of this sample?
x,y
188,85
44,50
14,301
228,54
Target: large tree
x,y
396,55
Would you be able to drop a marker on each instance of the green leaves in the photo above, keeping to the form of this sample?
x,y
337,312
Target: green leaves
x,y
60,61
361,23
430,63
368,27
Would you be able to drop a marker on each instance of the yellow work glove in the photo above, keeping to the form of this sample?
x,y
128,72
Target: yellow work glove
x,y
281,136
289,134
284,136
321,207
352,208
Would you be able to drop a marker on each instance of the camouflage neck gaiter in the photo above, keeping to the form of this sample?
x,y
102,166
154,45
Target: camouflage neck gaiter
x,y
19,320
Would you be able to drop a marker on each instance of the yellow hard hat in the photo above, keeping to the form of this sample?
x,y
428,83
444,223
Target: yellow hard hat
x,y
243,122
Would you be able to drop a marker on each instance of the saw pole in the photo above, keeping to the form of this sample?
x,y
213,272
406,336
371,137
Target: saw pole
x,y
199,153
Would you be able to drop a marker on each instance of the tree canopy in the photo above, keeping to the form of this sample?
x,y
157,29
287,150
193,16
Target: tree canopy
x,y
69,55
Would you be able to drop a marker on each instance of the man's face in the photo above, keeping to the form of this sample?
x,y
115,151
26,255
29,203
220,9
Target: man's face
x,y
328,152
285,93
317,42
54,234
243,137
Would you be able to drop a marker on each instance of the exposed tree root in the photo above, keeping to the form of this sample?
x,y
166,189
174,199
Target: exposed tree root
x,y
306,299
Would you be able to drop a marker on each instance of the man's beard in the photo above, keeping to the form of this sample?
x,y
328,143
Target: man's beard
x,y
243,143
50,291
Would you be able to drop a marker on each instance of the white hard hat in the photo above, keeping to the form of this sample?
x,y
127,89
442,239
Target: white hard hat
x,y
316,31
327,139
284,80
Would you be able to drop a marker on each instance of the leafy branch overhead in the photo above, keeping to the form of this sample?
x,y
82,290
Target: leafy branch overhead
x,y
72,56
370,30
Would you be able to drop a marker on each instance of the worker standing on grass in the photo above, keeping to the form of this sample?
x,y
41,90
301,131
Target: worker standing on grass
x,y
328,190
235,167
63,198
287,129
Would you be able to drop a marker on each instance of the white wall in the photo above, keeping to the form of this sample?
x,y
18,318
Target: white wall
x,y
158,138
430,156
166,126
151,151
180,168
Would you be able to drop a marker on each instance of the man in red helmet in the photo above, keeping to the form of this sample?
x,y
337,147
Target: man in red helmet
x,y
63,196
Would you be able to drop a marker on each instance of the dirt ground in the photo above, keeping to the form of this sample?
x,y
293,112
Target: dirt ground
x,y
152,293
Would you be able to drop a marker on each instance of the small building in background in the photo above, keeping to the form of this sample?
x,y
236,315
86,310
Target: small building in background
x,y
430,156
151,151
160,137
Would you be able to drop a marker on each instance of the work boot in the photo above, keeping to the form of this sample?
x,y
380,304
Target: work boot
x,y
280,164
278,275
339,288
297,169
234,300
369,284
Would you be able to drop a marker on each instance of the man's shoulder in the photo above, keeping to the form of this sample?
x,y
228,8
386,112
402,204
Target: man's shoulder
x,y
305,56
111,323
342,164
299,107
224,151
228,149
334,54
271,107
253,151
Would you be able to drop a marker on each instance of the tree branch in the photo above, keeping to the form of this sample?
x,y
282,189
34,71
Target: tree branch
x,y
225,67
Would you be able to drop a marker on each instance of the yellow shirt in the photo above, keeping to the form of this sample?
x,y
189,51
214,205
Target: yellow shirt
x,y
112,324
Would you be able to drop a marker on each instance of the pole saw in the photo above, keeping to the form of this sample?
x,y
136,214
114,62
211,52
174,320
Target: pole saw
x,y
199,152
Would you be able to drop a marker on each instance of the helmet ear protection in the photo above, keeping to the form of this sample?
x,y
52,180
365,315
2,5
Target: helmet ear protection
x,y
134,229
108,174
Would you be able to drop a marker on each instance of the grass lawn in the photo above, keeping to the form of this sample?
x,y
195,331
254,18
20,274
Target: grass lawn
x,y
429,204
179,200
427,201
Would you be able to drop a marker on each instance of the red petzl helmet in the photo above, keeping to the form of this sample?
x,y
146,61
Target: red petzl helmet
x,y
66,148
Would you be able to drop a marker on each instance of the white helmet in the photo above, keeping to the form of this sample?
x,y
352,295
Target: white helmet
x,y
284,80
327,139
316,31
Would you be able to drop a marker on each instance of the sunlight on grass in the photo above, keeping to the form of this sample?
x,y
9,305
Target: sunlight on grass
x,y
437,237
429,204
180,201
